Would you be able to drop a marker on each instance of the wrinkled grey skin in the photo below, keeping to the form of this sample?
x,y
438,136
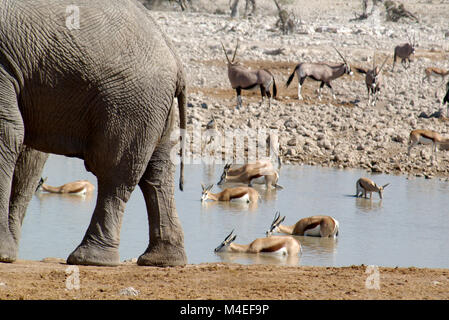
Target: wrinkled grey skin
x,y
103,93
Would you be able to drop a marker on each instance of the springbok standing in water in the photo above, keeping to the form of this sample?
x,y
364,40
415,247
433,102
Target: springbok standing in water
x,y
324,72
315,226
80,187
274,245
237,194
242,78
365,185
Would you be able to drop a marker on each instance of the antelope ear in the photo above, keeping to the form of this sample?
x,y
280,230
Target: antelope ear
x,y
209,187
282,220
385,185
233,238
202,187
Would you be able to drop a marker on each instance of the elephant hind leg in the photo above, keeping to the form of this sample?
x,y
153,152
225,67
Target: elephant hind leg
x,y
11,139
166,246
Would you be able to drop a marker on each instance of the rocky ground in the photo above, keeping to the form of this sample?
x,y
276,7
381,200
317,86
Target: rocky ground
x,y
346,132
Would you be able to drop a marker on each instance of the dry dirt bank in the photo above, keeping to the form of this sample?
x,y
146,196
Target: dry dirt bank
x,y
47,280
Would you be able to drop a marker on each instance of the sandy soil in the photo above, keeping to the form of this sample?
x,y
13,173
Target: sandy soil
x,y
48,280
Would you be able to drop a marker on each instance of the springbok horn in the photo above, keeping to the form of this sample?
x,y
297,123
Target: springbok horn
x,y
228,236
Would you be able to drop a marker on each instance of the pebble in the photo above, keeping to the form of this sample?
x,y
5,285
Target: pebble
x,y
130,291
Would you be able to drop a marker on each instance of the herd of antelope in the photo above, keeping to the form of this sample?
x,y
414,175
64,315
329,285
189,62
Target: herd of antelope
x,y
242,78
315,226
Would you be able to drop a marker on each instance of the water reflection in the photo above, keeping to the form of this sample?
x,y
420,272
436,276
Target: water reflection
x,y
230,205
368,205
318,244
259,258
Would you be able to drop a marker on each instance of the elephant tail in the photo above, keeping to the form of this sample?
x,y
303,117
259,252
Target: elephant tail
x,y
182,105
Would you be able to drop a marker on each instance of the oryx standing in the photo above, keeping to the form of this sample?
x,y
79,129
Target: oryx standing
x,y
404,52
373,81
324,72
243,78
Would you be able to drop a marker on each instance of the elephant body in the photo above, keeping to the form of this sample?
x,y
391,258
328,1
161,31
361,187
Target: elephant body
x,y
102,91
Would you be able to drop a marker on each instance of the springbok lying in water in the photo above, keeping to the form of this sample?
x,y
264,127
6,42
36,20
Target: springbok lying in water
x,y
237,194
274,245
260,172
80,187
315,226
365,185
426,137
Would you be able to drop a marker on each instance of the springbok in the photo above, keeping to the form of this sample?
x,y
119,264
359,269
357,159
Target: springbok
x,y
242,78
404,52
79,187
426,137
436,72
364,186
274,245
373,81
324,72
252,174
315,226
237,194
260,172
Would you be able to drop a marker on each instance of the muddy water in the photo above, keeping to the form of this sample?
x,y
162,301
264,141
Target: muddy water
x,y
407,228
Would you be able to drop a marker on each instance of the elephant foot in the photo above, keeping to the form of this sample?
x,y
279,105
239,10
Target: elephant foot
x,y
94,256
163,254
8,250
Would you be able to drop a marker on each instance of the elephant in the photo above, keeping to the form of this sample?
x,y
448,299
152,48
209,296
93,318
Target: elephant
x,y
99,81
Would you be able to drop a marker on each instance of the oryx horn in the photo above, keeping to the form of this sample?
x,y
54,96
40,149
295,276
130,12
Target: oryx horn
x,y
227,58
